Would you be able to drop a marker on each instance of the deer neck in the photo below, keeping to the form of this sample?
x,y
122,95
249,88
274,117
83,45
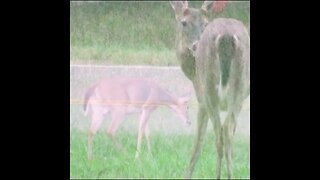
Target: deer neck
x,y
167,99
184,54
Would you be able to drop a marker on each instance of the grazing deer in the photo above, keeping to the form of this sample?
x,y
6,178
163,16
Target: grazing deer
x,y
121,96
215,56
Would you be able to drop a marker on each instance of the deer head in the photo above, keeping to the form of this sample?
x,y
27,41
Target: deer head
x,y
182,107
190,21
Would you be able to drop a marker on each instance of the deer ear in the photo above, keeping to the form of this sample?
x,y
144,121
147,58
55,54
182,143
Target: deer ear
x,y
179,6
186,12
206,5
173,4
204,12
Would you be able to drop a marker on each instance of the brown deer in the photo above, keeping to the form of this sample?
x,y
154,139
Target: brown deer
x,y
215,56
121,96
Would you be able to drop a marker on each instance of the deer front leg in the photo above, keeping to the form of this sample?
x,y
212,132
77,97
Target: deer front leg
x,y
147,135
228,134
117,118
143,120
202,122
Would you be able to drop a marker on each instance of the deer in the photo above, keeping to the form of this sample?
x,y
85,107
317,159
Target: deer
x,y
215,57
120,96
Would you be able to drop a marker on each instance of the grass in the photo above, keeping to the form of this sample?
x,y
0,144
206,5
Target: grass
x,y
130,32
171,155
123,56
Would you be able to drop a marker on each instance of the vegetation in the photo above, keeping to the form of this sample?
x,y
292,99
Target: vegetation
x,y
170,157
131,32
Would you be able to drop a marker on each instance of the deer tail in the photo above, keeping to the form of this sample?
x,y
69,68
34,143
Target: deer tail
x,y
226,45
87,96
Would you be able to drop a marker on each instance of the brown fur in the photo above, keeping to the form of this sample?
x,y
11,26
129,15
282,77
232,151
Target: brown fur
x,y
217,61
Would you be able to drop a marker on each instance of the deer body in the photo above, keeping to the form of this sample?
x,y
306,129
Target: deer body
x,y
222,60
218,64
121,96
221,83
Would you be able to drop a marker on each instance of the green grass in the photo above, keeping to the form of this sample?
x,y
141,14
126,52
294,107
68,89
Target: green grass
x,y
130,32
124,56
171,155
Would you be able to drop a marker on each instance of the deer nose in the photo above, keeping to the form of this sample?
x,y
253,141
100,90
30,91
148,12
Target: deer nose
x,y
184,23
194,47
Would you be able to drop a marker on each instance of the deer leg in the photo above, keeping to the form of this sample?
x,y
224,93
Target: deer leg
x,y
117,118
212,105
143,120
96,122
215,119
229,128
202,122
147,135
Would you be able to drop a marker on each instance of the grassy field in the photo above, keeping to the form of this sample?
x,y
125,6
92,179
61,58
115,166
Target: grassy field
x,y
131,32
171,155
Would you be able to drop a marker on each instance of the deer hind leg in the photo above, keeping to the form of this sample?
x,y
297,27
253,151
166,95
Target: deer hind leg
x,y
213,110
117,118
229,128
202,122
95,124
217,127
143,122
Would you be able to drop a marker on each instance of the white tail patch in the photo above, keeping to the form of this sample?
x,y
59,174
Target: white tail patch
x,y
217,40
222,91
236,40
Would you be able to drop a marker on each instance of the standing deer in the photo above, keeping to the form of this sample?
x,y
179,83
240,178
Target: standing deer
x,y
215,56
121,96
